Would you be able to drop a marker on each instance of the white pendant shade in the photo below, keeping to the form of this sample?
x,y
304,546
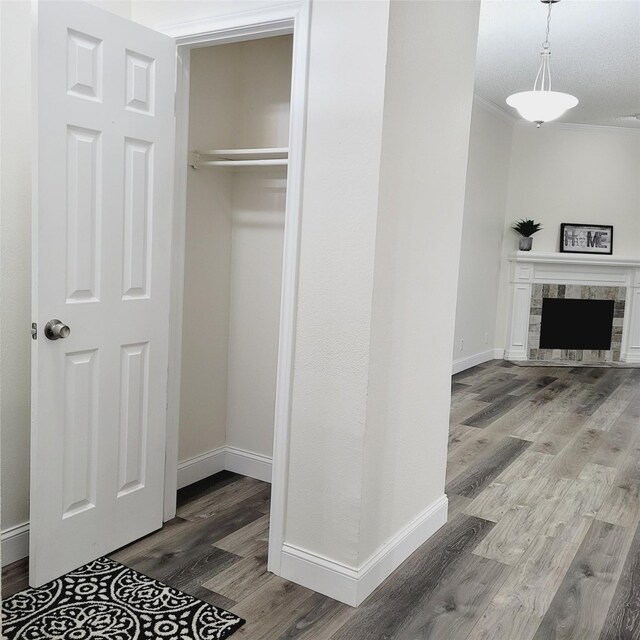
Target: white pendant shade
x,y
541,106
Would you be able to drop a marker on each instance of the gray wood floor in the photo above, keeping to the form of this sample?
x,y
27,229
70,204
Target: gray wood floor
x,y
542,542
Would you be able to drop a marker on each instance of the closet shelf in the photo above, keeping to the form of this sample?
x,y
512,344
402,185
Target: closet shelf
x,y
269,157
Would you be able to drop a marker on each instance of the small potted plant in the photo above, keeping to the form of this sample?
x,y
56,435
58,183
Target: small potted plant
x,y
526,228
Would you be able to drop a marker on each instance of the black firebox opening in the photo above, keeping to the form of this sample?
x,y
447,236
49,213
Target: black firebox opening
x,y
576,324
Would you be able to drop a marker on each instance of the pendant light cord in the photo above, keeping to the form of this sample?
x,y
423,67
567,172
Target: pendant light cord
x,y
546,43
544,72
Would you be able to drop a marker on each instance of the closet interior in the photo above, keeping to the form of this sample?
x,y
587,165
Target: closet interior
x,y
239,109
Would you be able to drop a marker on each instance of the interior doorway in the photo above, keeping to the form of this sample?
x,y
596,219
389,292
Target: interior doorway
x,y
239,148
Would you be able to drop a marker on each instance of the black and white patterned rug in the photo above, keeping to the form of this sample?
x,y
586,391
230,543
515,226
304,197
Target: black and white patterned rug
x,y
105,600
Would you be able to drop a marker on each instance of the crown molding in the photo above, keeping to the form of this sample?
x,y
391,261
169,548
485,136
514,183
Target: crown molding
x,y
574,126
497,110
494,108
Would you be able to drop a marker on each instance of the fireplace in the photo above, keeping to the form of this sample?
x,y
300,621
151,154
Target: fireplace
x,y
578,324
579,290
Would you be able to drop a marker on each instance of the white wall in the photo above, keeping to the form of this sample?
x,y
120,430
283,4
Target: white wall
x,y
15,278
156,13
203,393
203,383
340,204
422,185
575,174
571,173
262,120
262,111
256,281
482,233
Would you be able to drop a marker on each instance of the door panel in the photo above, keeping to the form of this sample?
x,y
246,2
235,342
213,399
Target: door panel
x,y
134,398
138,214
84,205
102,236
80,430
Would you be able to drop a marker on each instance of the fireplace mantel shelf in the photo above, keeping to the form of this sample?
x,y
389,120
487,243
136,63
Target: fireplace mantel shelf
x,y
574,258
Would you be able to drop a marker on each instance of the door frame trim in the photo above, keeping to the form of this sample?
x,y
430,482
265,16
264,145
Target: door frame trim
x,y
293,17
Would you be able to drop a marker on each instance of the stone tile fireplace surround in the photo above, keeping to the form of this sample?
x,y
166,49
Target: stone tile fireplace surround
x,y
534,276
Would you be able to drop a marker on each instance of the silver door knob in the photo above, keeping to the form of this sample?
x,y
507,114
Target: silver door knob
x,y
55,329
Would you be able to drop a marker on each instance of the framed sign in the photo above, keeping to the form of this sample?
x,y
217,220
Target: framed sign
x,y
586,238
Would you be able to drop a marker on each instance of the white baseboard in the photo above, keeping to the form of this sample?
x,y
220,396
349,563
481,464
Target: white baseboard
x,y
247,463
518,355
498,354
472,361
15,540
352,585
319,573
15,543
200,467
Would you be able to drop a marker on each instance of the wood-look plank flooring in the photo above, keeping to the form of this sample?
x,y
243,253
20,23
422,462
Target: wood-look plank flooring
x,y
543,538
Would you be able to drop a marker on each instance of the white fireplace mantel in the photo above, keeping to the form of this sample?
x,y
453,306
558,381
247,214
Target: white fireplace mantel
x,y
574,258
529,268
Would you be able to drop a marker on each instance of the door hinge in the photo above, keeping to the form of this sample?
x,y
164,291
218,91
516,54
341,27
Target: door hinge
x,y
34,330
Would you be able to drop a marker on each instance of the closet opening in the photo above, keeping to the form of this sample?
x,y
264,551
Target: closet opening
x,y
235,263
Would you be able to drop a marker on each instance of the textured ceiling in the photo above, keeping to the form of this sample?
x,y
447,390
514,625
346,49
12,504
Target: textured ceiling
x,y
595,47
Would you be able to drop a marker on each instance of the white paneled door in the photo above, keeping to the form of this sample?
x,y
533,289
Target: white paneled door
x,y
101,250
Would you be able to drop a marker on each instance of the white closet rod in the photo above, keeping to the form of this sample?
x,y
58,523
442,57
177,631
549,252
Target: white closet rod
x,y
269,157
282,162
267,153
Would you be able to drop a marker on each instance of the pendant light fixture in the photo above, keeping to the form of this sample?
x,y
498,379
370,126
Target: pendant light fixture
x,y
542,104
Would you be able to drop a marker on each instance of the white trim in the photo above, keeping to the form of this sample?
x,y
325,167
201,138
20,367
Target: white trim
x,y
494,108
462,364
498,354
201,467
352,585
515,355
15,543
178,239
318,573
576,126
264,22
394,552
289,294
293,18
247,463
35,253
574,258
